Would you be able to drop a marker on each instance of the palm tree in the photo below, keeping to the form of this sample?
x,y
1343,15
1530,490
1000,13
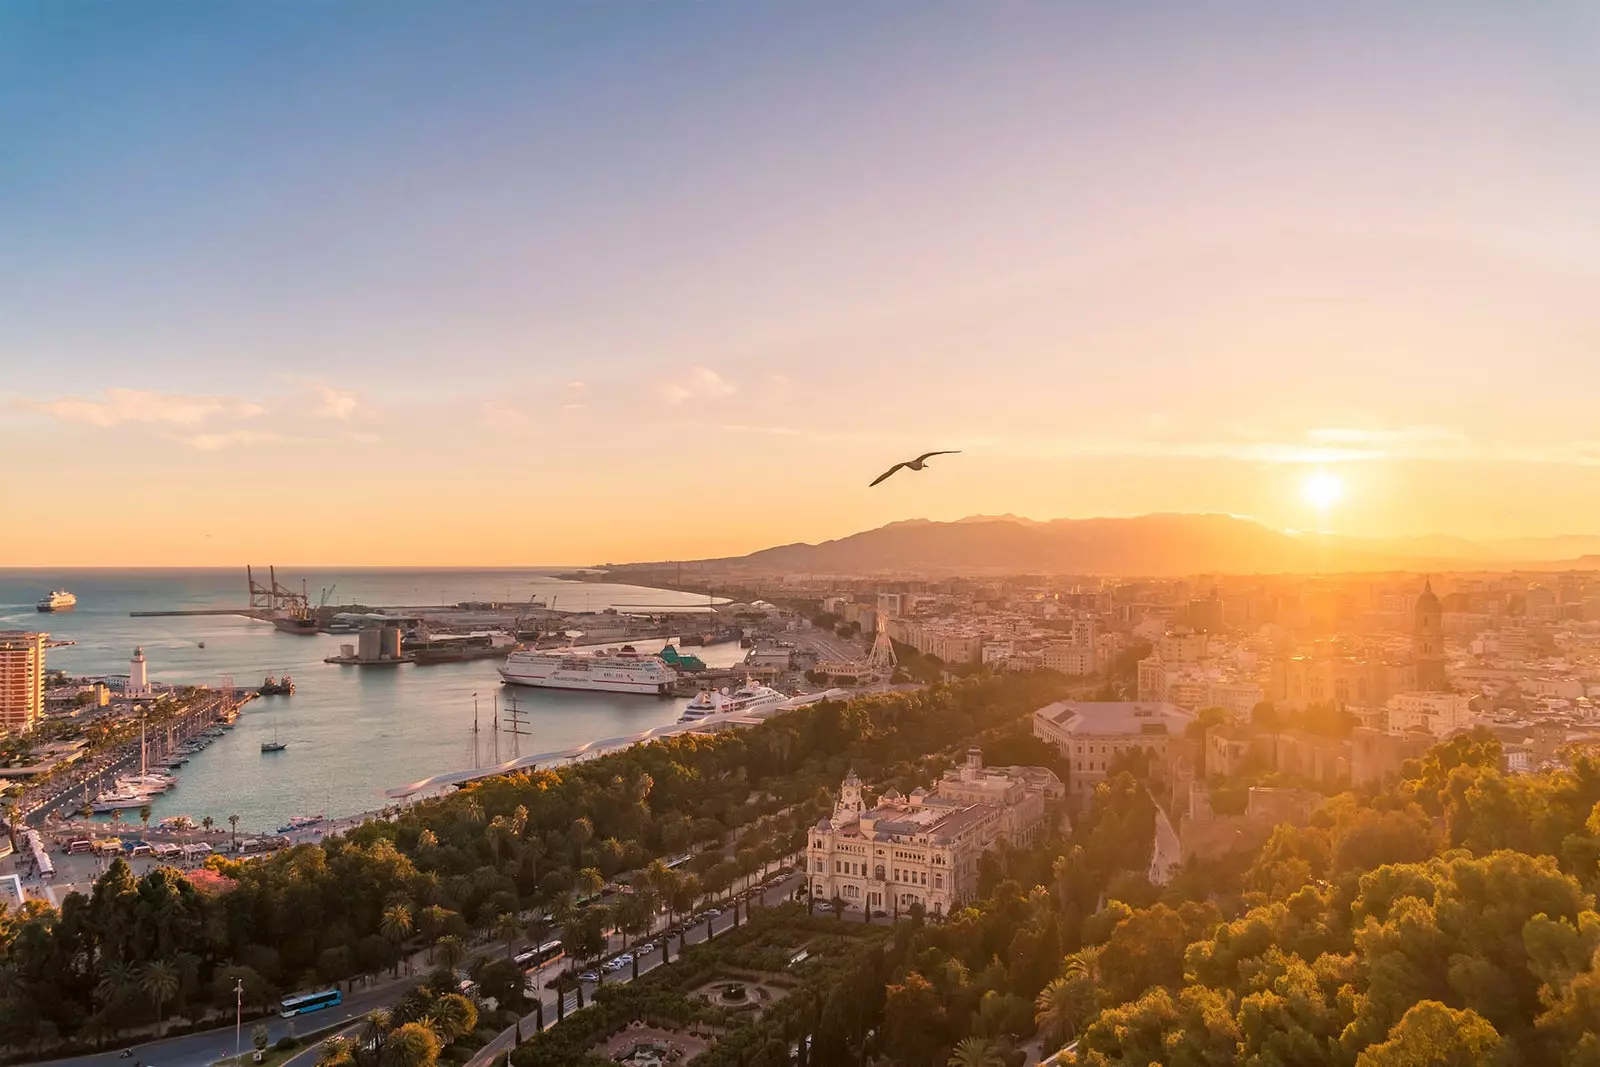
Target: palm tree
x,y
508,929
13,818
233,821
159,982
588,883
1062,1006
145,811
116,979
396,926
450,950
977,1052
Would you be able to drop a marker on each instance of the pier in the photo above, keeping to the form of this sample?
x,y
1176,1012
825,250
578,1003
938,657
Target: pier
x,y
609,744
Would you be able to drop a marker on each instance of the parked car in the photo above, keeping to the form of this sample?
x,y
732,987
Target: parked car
x,y
589,976
712,913
646,948
823,905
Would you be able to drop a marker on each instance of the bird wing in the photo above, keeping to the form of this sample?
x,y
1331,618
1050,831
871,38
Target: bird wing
x,y
885,474
947,452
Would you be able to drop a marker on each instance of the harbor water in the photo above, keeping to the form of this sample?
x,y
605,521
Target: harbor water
x,y
351,732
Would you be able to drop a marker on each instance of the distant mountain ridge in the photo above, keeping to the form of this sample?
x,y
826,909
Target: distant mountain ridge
x,y
1152,545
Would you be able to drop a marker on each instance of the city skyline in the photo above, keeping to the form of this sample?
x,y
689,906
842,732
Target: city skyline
x,y
417,285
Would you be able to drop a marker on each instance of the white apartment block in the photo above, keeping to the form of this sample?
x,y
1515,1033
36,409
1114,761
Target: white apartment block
x,y
1072,660
1441,714
924,849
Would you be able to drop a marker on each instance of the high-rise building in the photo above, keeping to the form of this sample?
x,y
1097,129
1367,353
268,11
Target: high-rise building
x,y
21,680
1427,641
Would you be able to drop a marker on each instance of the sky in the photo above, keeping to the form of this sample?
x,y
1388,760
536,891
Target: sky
x,y
432,283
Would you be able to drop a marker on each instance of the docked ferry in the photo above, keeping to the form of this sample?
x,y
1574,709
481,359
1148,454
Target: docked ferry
x,y
748,697
623,671
57,600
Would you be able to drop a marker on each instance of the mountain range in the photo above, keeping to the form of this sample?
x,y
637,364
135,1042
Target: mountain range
x,y
1150,545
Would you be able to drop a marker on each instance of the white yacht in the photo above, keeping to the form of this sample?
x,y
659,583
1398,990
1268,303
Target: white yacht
x,y
748,697
120,800
622,671
57,600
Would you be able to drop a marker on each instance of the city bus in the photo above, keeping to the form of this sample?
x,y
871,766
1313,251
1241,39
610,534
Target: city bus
x,y
538,957
299,1005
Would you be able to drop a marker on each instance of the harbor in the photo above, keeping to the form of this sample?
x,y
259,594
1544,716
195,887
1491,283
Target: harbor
x,y
350,733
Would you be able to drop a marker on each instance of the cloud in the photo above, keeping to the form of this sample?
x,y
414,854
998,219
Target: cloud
x,y
577,396
697,383
1345,435
504,420
335,403
211,442
118,406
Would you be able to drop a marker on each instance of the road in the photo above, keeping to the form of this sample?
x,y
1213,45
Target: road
x,y
208,1046
777,893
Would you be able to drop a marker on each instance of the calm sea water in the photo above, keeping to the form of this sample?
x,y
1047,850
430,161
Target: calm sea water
x,y
352,732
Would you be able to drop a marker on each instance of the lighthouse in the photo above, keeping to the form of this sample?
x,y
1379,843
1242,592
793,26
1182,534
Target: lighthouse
x,y
138,680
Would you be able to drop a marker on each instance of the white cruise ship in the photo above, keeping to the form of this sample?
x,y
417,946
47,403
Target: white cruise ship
x,y
57,600
748,697
604,672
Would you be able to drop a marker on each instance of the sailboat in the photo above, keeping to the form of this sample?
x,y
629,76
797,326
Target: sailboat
x,y
274,745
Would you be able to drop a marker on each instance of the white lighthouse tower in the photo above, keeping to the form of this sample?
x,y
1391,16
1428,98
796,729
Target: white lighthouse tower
x,y
138,679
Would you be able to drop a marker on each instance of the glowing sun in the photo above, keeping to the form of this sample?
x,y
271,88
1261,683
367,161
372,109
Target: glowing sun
x,y
1322,490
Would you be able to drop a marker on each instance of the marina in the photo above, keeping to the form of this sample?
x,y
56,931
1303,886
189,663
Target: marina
x,y
350,734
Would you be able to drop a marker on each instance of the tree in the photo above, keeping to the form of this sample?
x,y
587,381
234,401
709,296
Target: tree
x,y
259,1036
914,1021
145,811
509,930
450,951
1433,1035
233,825
396,926
159,982
978,1052
207,822
411,1045
1062,1006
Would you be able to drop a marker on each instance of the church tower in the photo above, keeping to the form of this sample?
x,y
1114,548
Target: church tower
x,y
1427,641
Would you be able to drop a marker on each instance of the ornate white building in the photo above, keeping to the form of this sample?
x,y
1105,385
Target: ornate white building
x,y
924,849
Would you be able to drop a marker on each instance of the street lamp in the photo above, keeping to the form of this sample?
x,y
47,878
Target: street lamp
x,y
238,1013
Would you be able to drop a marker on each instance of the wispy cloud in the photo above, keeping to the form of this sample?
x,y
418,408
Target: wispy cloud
x,y
577,396
211,442
697,383
334,403
114,407
505,420
1349,435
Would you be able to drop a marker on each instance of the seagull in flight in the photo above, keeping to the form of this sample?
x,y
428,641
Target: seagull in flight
x,y
913,464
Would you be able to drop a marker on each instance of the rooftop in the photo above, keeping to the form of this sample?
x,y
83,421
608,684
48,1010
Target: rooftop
x,y
1117,716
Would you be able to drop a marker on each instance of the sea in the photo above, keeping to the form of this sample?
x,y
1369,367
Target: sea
x,y
351,732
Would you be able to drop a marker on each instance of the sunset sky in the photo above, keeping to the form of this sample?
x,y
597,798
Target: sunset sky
x,y
440,283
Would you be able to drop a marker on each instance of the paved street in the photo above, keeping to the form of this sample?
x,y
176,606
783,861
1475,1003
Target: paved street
x,y
197,1050
775,894
201,1049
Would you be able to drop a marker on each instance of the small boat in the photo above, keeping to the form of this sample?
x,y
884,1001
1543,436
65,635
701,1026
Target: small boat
x,y
202,644
274,746
271,686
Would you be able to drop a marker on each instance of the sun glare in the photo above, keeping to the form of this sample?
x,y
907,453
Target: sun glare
x,y
1322,490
